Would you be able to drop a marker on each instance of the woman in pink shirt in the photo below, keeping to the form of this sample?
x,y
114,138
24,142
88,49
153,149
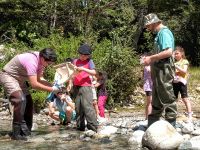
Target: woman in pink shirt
x,y
25,67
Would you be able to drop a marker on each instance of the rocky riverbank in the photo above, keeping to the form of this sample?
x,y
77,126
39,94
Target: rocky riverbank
x,y
123,130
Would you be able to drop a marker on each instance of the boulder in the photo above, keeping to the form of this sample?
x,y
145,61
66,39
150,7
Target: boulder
x,y
161,135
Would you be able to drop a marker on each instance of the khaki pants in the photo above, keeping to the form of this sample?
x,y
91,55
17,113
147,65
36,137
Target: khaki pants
x,y
163,98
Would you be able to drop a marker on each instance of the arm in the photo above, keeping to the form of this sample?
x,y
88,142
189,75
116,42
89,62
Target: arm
x,y
164,54
51,108
36,83
42,80
182,70
70,85
89,71
97,84
71,104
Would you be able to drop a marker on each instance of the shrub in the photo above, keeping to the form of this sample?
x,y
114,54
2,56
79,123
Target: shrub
x,y
121,65
39,99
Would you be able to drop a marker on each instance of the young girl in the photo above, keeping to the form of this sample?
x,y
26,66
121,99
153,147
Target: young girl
x,y
101,92
180,80
148,89
94,95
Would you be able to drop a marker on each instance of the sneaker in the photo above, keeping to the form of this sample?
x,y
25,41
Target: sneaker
x,y
188,113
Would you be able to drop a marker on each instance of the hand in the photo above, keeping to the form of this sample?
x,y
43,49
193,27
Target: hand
x,y
56,89
147,60
177,66
80,69
51,112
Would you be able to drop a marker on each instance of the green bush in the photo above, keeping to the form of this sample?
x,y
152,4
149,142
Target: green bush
x,y
39,99
121,65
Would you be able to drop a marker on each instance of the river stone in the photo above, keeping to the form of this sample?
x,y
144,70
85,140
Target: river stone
x,y
196,132
187,127
136,137
108,130
89,133
162,135
192,144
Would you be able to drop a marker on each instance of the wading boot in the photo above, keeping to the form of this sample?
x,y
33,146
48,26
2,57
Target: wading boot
x,y
16,133
24,129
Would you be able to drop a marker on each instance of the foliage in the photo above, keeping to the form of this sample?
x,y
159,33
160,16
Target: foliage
x,y
120,63
39,99
113,28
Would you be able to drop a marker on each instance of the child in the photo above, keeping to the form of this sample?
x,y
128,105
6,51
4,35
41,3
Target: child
x,y
180,80
82,90
101,92
94,95
148,90
61,108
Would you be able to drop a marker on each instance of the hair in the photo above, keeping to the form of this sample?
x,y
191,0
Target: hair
x,y
181,50
48,54
69,60
102,74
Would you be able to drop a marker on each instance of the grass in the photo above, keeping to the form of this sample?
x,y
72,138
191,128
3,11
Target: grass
x,y
193,81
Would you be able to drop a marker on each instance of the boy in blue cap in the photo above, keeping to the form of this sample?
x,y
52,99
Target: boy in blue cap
x,y
82,90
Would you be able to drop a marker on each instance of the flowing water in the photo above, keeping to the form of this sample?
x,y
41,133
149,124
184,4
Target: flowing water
x,y
60,137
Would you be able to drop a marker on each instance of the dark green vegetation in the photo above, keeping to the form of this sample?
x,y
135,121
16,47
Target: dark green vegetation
x,y
114,28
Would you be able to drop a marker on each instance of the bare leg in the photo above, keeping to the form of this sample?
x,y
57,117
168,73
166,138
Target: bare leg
x,y
148,108
54,115
188,107
69,111
96,107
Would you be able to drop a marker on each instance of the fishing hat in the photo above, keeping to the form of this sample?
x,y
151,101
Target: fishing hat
x,y
150,19
85,49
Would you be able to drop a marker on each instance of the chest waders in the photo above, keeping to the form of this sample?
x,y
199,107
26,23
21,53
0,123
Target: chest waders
x,y
163,98
19,125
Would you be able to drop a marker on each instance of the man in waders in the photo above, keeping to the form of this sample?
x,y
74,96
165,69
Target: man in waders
x,y
162,71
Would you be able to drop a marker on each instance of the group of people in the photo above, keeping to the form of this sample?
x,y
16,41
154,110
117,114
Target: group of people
x,y
164,80
165,74
30,67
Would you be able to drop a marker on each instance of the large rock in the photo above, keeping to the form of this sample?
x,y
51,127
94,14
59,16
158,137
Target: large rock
x,y
161,135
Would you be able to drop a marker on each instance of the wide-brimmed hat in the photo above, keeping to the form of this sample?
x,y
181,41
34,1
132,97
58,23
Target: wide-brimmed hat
x,y
150,19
